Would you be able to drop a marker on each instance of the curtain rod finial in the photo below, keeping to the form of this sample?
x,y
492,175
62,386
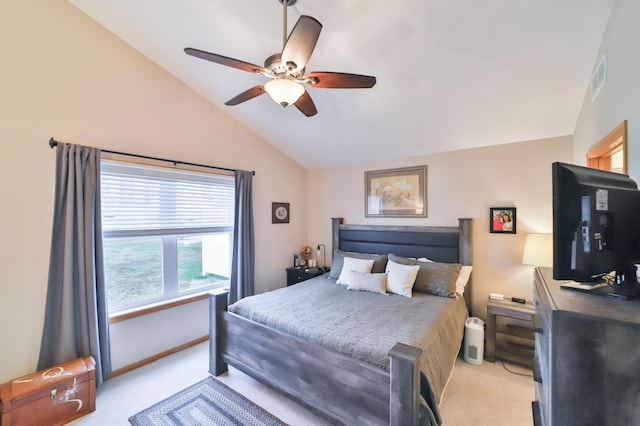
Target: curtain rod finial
x,y
53,143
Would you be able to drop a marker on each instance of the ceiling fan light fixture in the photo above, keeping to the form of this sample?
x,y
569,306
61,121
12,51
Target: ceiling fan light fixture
x,y
284,91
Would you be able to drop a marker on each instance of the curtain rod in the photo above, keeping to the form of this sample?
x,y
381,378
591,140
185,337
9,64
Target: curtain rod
x,y
53,143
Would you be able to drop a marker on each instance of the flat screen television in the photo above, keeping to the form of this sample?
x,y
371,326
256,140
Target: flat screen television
x,y
596,230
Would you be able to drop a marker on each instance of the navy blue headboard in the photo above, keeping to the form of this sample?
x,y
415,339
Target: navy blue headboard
x,y
449,244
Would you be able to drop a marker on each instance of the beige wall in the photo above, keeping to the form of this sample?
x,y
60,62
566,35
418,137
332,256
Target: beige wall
x,y
460,184
619,100
63,75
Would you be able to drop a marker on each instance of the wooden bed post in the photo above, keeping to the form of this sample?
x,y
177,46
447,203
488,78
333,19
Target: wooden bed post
x,y
466,258
335,234
404,398
465,235
218,303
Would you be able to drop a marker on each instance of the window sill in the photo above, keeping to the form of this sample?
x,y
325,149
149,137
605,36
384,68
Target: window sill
x,y
160,306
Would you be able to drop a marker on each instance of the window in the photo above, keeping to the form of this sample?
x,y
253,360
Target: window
x,y
166,232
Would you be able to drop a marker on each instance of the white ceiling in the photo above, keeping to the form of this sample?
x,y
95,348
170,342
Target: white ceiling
x,y
451,74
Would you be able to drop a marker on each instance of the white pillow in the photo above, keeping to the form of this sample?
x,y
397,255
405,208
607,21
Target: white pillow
x,y
353,264
400,278
463,279
364,281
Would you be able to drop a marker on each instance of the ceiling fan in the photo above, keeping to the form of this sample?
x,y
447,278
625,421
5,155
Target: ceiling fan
x,y
286,70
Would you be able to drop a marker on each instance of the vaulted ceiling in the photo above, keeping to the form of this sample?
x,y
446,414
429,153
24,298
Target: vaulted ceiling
x,y
451,74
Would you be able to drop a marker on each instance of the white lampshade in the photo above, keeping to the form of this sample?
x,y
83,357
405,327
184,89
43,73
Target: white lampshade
x,y
284,91
538,250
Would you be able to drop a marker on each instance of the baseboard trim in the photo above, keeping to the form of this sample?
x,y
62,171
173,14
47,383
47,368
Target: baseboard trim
x,y
149,360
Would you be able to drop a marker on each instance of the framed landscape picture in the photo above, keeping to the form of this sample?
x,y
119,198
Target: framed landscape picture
x,y
396,192
502,220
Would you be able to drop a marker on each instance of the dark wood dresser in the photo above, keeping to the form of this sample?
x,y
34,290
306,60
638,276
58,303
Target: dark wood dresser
x,y
587,357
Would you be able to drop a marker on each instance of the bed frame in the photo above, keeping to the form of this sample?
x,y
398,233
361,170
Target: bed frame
x,y
337,387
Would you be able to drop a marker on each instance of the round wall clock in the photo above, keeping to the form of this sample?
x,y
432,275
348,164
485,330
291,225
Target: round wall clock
x,y
279,212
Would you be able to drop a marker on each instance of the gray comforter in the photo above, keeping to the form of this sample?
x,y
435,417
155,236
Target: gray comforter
x,y
367,325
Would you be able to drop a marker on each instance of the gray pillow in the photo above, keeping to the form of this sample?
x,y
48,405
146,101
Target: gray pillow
x,y
433,277
437,278
402,260
379,262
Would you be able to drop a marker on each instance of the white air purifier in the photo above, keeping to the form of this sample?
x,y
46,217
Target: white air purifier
x,y
474,340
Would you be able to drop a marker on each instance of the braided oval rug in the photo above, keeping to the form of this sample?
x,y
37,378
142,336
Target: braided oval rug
x,y
208,402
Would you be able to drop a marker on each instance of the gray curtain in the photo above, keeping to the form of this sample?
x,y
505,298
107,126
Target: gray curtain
x,y
76,322
242,264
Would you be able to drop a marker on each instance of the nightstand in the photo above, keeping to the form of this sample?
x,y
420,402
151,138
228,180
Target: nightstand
x,y
510,333
296,275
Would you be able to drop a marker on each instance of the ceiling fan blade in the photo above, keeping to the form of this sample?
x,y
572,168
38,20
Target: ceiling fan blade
x,y
339,80
246,95
223,60
301,42
305,105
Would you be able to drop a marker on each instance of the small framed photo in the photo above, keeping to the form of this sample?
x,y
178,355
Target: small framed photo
x,y
502,220
280,213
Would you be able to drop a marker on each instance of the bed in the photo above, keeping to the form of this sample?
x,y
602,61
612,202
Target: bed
x,y
315,343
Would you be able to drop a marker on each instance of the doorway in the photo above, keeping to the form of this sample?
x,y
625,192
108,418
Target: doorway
x,y
611,152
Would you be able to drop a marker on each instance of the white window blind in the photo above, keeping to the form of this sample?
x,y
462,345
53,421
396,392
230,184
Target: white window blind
x,y
146,200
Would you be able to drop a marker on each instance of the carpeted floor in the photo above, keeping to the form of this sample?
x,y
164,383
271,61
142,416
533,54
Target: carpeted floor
x,y
208,402
483,395
490,394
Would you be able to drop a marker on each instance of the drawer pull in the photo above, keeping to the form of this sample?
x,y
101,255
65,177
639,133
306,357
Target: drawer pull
x,y
537,376
537,324
537,415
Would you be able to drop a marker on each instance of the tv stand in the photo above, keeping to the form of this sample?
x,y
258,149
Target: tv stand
x,y
586,364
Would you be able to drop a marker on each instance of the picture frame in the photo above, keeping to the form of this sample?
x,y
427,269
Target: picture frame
x,y
280,212
502,220
400,192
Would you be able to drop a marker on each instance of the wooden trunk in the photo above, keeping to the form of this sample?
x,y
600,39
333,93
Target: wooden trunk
x,y
50,397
